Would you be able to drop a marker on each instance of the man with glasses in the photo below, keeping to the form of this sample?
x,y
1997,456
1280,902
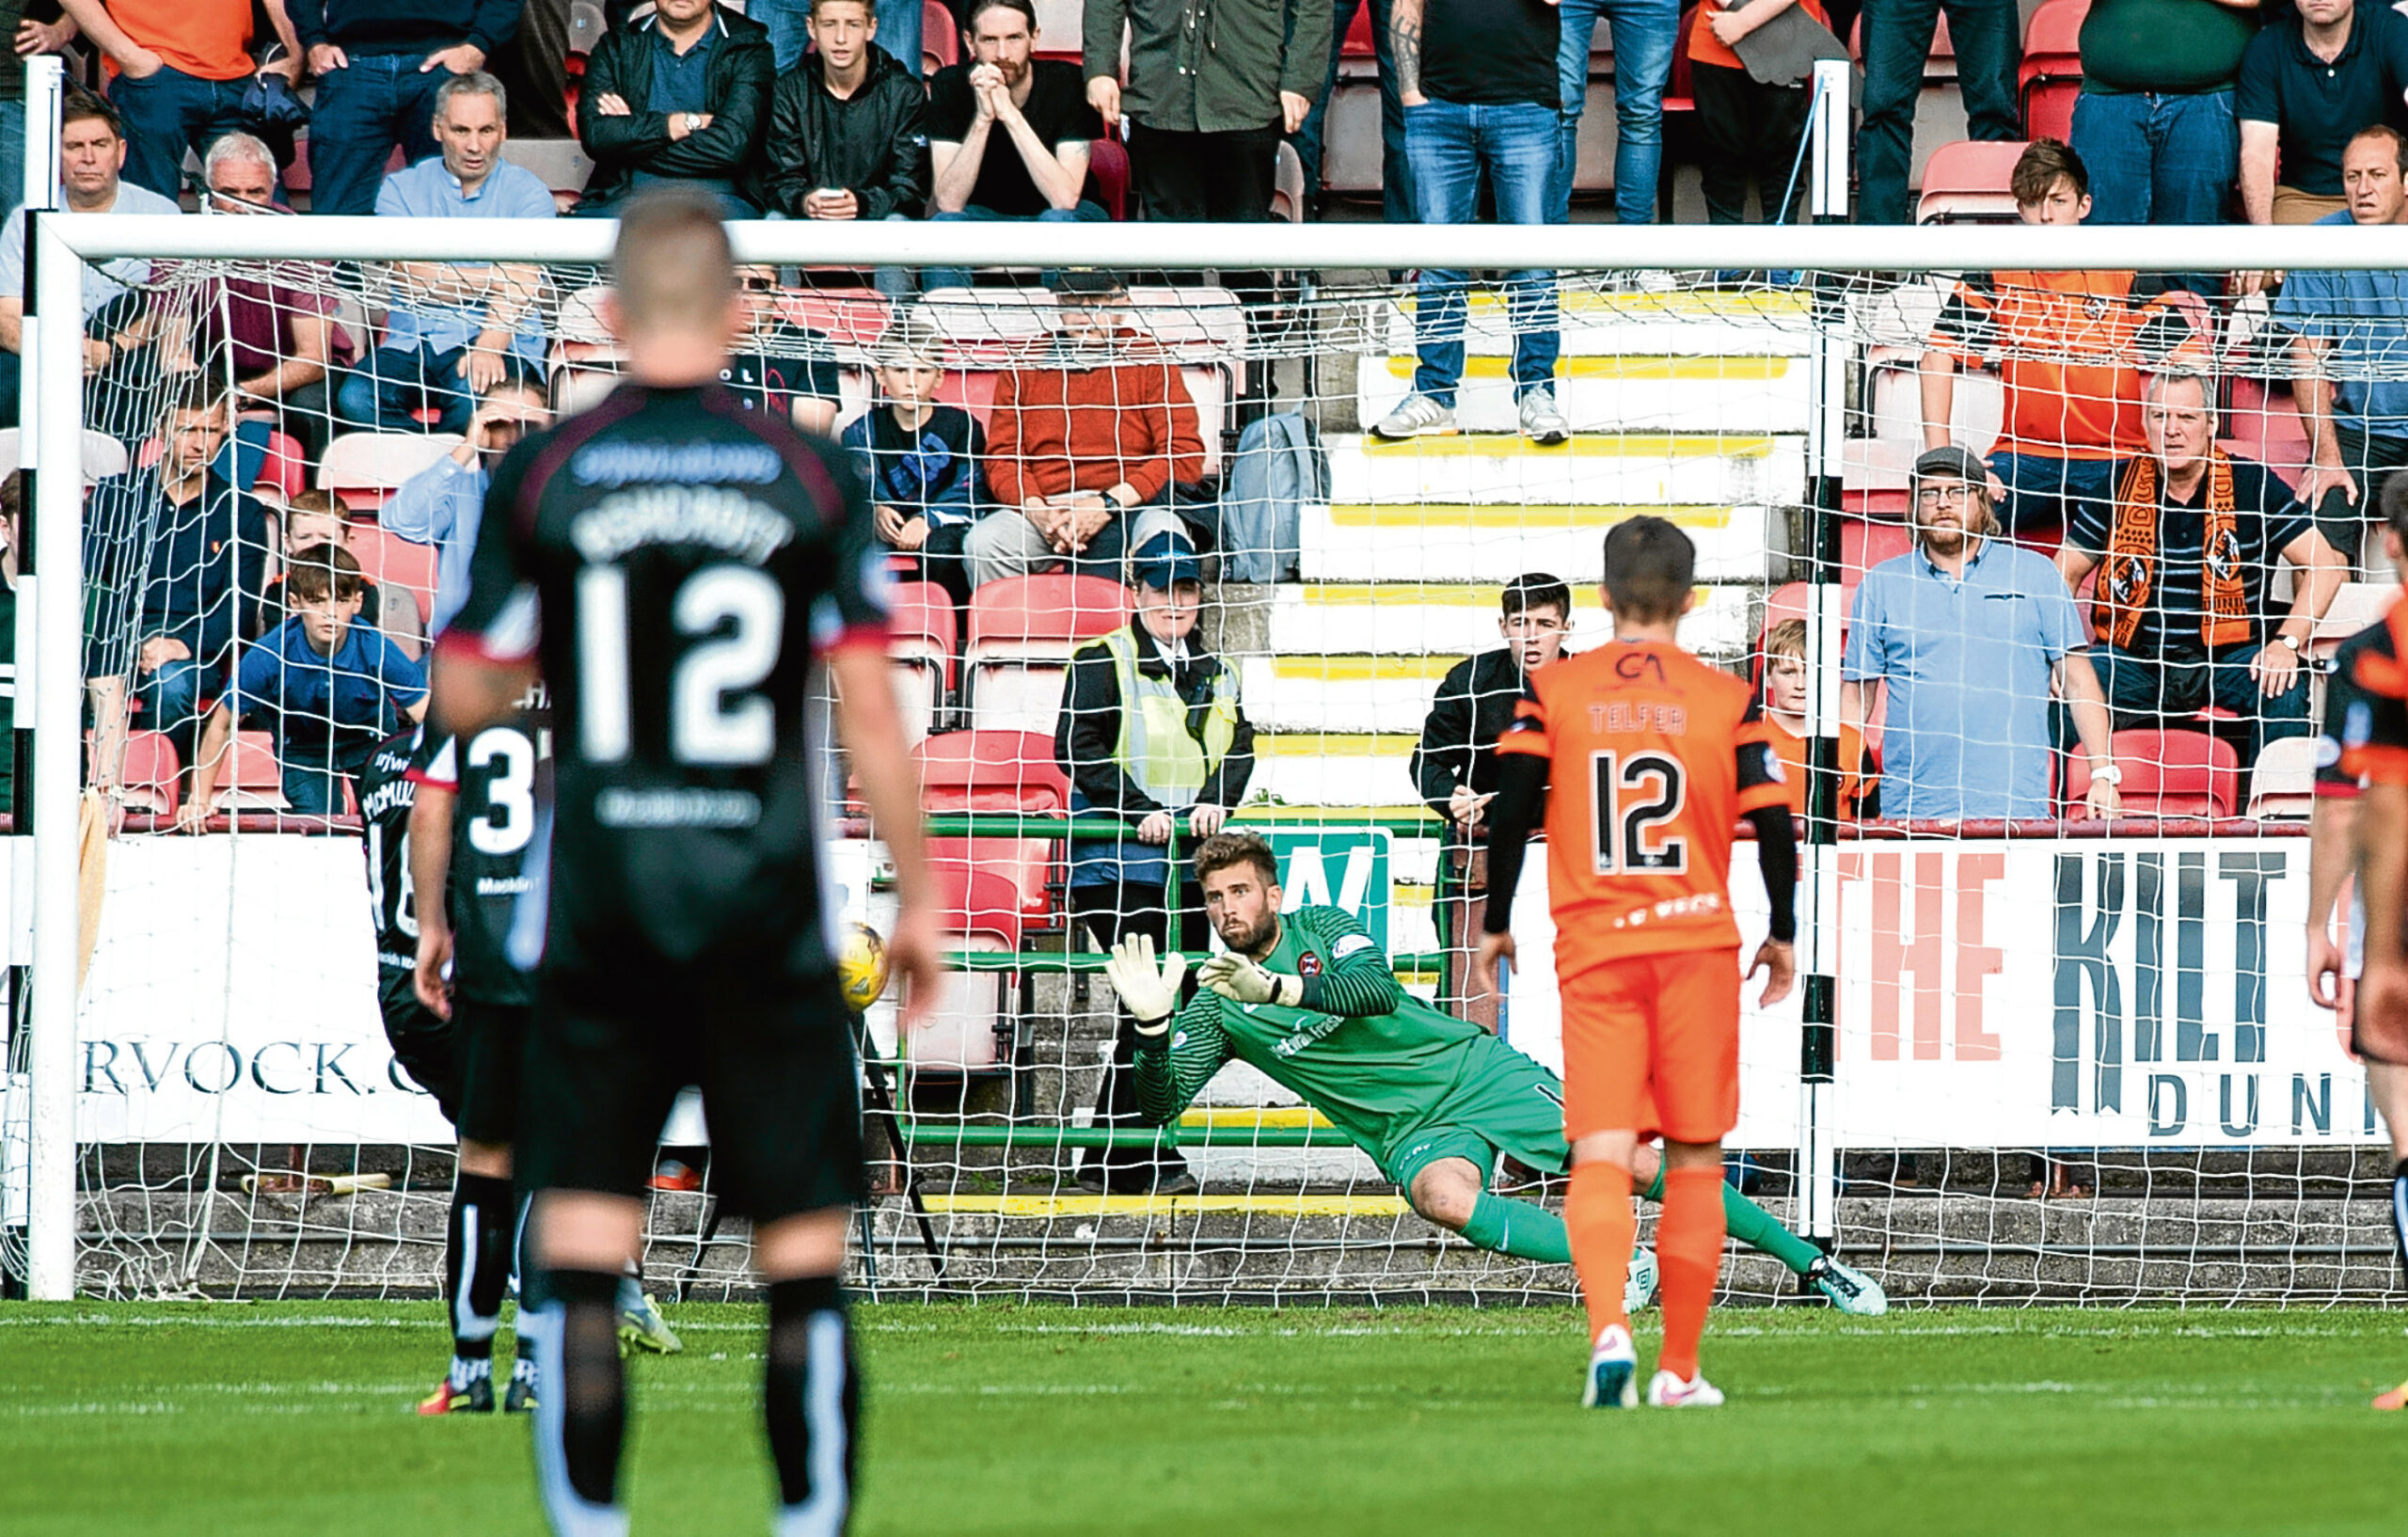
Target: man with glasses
x,y
1974,636
1454,768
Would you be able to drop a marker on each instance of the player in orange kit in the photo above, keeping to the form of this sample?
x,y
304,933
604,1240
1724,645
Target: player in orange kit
x,y
1653,758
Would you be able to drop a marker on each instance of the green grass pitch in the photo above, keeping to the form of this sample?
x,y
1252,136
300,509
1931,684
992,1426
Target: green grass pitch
x,y
292,1420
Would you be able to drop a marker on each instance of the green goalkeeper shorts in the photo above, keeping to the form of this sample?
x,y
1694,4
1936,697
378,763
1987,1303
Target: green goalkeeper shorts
x,y
1503,1103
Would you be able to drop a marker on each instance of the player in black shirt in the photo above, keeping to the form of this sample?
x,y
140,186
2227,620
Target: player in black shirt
x,y
679,563
421,1040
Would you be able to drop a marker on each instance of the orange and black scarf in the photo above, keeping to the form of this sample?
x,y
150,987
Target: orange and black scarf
x,y
2128,578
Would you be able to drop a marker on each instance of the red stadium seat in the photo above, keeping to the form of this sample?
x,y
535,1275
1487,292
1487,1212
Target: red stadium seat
x,y
1022,630
1108,177
390,560
940,37
997,771
920,646
1969,183
852,317
151,773
2282,783
365,469
2051,76
1865,544
1790,601
251,780
2168,773
972,390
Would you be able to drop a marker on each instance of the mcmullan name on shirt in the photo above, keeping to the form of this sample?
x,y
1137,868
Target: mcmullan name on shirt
x,y
680,514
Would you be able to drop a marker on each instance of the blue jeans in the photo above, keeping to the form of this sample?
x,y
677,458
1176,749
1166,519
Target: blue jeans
x,y
1644,32
2042,492
1452,146
168,113
899,30
170,699
2157,159
314,790
1085,213
362,111
1395,171
1987,35
12,158
2147,692
392,382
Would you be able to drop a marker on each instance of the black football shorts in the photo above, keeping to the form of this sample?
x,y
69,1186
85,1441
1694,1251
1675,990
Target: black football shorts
x,y
493,1059
424,1042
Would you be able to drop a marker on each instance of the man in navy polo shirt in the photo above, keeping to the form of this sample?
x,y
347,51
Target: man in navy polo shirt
x,y
2308,83
1974,636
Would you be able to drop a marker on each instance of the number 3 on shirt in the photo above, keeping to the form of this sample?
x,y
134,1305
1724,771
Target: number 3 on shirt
x,y
1629,797
715,718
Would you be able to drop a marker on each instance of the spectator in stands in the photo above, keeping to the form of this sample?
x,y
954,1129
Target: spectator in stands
x,y
117,334
279,330
168,549
1150,731
789,24
2183,609
1644,34
181,72
1007,132
442,504
2309,80
320,518
1784,659
2067,345
1988,37
2154,121
682,96
1082,447
1482,100
1971,634
2348,340
848,135
379,65
921,459
780,365
454,329
331,687
1211,92
1397,203
1750,129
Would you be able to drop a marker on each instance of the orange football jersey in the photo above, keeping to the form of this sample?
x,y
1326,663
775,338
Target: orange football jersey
x,y
1653,757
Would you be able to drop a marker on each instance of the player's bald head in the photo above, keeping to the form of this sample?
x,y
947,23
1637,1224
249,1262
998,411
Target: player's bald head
x,y
672,269
1650,567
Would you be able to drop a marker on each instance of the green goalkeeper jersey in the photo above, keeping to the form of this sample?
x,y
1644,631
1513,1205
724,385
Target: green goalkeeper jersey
x,y
1379,1062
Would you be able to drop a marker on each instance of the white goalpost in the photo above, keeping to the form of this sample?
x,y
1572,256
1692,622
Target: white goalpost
x,y
1741,379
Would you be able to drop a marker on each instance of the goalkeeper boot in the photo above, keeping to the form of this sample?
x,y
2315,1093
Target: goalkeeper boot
x,y
2396,1398
474,1397
642,1327
1638,1287
1613,1373
1850,1290
1665,1390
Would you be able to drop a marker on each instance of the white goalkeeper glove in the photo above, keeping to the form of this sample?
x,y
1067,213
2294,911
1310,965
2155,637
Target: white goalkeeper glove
x,y
1150,994
1239,981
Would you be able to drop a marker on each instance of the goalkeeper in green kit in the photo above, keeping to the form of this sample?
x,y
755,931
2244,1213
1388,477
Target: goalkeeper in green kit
x,y
1309,998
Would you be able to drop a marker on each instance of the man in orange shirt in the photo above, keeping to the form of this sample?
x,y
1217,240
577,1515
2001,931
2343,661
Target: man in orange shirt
x,y
1653,758
182,66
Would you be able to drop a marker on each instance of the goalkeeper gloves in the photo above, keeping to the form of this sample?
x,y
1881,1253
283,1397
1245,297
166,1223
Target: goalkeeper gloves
x,y
1149,994
1239,981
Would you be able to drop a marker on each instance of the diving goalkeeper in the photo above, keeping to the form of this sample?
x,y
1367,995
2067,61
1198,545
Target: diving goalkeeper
x,y
1310,999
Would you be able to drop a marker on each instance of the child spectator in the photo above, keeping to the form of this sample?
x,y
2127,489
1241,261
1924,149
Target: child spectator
x,y
921,458
778,363
332,690
1749,130
321,518
1785,713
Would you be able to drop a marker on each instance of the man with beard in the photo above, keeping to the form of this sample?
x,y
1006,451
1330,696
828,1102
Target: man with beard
x,y
1308,998
1974,636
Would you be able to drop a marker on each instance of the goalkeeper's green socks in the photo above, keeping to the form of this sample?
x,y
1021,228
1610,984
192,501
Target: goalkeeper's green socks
x,y
1752,1226
1521,1229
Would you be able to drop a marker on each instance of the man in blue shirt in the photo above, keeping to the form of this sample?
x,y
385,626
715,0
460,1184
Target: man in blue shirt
x,y
333,689
441,505
1974,636
2349,338
454,330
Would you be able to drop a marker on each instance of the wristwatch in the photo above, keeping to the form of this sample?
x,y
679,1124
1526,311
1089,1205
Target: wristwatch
x,y
693,122
2112,774
2287,639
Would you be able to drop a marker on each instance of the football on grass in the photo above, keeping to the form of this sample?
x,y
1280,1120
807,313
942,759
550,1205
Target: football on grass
x,y
861,967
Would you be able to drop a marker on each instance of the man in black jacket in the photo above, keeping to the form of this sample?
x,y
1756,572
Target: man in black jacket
x,y
379,63
848,129
716,69
1454,768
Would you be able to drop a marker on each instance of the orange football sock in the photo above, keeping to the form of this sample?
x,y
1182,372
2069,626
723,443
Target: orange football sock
x,y
1688,1246
1602,1228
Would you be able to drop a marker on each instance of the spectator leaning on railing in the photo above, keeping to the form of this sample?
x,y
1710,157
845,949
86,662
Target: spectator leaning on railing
x,y
2308,81
2068,346
1081,447
182,66
454,329
2185,555
442,504
2154,121
2349,341
117,327
681,96
1971,634
378,64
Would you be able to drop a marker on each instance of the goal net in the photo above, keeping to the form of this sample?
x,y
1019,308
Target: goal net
x,y
2068,1057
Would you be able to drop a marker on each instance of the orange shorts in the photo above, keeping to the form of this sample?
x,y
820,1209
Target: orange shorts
x,y
1650,1044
